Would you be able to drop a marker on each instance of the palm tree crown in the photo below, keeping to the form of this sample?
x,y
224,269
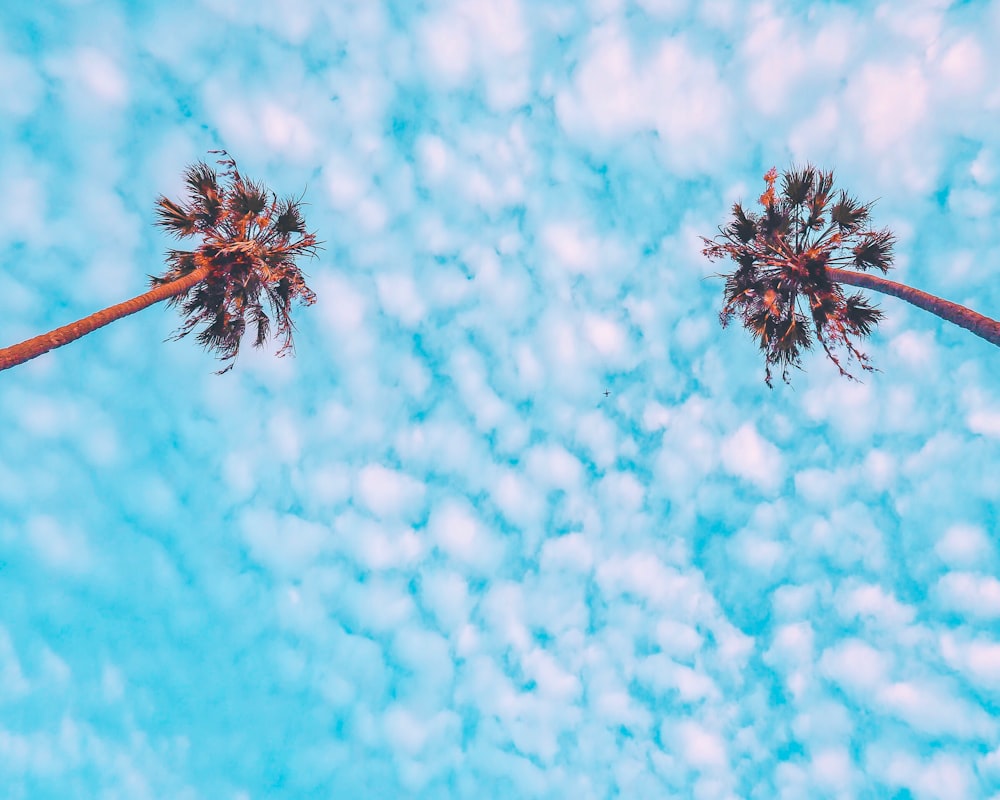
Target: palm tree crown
x,y
785,255
250,242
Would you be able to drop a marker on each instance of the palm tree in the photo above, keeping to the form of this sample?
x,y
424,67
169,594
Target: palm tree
x,y
793,255
250,241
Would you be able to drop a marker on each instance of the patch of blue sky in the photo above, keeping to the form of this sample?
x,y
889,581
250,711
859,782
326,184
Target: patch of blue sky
x,y
429,556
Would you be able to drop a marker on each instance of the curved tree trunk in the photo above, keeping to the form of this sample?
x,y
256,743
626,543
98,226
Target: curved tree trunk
x,y
31,348
988,329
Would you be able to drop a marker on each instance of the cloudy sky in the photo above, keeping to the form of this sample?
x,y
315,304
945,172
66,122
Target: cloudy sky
x,y
520,519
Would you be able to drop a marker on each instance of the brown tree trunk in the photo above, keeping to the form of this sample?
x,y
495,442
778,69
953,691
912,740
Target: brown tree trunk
x,y
31,348
988,329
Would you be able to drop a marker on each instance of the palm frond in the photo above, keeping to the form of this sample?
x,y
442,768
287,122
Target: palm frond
x,y
206,196
203,183
819,197
874,250
860,316
175,218
796,184
248,198
822,187
289,218
848,214
823,305
262,323
775,222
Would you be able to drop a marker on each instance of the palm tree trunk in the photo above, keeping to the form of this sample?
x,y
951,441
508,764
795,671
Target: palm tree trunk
x,y
31,348
988,329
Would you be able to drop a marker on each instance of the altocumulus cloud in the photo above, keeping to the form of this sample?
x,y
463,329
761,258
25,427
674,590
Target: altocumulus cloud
x,y
429,556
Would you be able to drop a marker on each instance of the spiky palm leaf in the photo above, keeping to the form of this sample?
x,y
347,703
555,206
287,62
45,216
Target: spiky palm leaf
x,y
250,243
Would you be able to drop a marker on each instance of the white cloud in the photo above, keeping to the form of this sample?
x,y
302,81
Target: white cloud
x,y
620,491
20,84
666,676
664,9
285,543
384,548
700,747
823,723
99,75
329,485
434,157
750,456
985,422
13,682
989,764
792,645
407,732
644,576
469,373
571,552
342,308
284,130
503,610
963,545
677,639
775,61
792,601
442,445
915,349
934,710
655,417
60,546
553,466
428,655
816,132
732,645
456,529
844,404
284,438
380,605
873,603
856,665
879,469
519,499
449,47
616,706
963,66
759,553
551,679
484,38
674,92
446,594
112,684
388,493
833,768
344,182
607,336
820,486
969,593
978,659
891,100
571,246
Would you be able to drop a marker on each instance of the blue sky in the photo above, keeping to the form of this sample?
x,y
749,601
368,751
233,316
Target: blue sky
x,y
428,557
